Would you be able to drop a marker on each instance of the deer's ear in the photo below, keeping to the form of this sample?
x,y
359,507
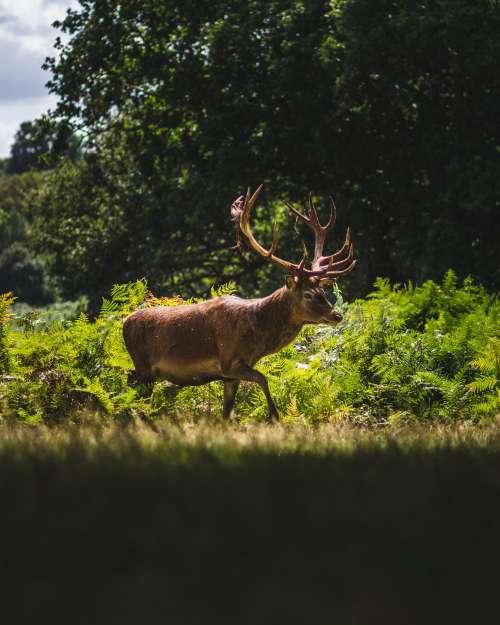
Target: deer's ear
x,y
327,281
290,282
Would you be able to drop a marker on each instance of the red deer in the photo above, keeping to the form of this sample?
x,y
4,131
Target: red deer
x,y
223,338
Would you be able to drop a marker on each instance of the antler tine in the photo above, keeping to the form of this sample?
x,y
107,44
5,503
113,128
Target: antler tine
x,y
333,214
313,215
312,221
341,264
274,243
330,276
300,266
297,213
325,260
242,216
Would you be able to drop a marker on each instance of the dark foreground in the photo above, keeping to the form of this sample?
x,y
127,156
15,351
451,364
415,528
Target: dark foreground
x,y
250,527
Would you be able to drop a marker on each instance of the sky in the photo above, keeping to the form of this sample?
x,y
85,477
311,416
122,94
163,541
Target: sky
x,y
26,38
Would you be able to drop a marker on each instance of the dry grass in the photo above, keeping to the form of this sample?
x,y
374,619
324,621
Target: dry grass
x,y
299,437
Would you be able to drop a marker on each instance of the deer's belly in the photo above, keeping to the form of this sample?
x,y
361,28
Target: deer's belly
x,y
187,373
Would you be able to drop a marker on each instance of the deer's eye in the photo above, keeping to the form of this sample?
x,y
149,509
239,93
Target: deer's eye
x,y
308,295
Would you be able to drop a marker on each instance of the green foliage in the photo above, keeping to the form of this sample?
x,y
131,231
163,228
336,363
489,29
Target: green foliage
x,y
34,141
29,317
229,288
66,369
27,149
6,299
424,352
390,105
20,270
24,273
125,298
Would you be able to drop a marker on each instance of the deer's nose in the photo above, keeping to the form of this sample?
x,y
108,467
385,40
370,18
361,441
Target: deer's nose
x,y
336,316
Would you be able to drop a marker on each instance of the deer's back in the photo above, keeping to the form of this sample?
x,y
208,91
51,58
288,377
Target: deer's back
x,y
185,344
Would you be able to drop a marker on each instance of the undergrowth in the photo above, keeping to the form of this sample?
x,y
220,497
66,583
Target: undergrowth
x,y
402,354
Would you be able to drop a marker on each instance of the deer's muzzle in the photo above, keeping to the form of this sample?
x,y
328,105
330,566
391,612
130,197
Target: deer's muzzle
x,y
335,316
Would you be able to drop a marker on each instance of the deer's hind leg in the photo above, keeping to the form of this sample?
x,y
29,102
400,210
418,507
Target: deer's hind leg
x,y
138,377
142,374
241,371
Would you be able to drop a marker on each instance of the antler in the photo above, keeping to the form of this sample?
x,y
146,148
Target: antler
x,y
333,266
327,268
240,211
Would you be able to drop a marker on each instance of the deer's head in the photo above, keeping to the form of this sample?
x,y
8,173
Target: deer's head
x,y
310,301
305,286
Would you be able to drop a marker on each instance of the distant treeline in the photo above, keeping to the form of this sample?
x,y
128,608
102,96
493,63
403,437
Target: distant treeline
x,y
393,107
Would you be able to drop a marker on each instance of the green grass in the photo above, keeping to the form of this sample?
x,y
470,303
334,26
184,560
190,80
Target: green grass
x,y
214,523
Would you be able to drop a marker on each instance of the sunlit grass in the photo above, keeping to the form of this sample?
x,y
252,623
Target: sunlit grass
x,y
220,438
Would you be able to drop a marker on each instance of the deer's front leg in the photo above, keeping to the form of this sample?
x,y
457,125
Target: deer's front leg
x,y
230,388
241,371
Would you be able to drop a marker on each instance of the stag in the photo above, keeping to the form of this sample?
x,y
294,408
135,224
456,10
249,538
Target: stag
x,y
222,339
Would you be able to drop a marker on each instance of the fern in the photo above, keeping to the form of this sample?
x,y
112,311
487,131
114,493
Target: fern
x,y
6,300
228,288
124,299
429,351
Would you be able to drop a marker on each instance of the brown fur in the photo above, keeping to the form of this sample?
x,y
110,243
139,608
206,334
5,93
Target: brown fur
x,y
222,339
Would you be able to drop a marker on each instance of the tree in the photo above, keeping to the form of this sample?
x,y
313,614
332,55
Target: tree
x,y
420,88
24,275
21,271
392,106
27,149
37,142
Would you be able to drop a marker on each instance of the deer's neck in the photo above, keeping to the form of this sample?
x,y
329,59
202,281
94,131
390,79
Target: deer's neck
x,y
276,321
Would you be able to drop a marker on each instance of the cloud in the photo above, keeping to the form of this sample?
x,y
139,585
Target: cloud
x,y
28,24
30,18
21,76
15,112
26,39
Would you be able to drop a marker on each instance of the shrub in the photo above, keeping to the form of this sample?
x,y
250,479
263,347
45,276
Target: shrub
x,y
424,352
5,301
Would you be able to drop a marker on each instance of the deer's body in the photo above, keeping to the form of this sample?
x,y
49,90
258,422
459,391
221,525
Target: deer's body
x,y
198,343
223,339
